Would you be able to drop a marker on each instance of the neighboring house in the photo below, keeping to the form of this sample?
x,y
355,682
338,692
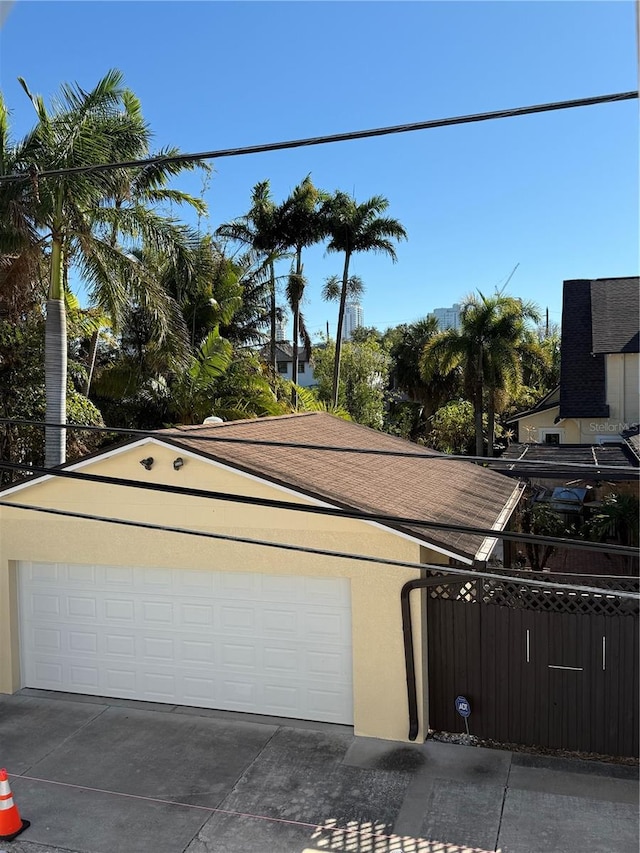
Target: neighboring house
x,y
284,363
90,607
598,397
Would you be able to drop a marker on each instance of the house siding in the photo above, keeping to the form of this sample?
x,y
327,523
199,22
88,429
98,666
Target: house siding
x,y
380,704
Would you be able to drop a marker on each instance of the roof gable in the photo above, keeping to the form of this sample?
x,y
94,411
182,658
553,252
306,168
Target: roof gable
x,y
412,485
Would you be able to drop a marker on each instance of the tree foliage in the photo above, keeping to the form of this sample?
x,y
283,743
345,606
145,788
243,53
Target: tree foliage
x,y
488,349
365,374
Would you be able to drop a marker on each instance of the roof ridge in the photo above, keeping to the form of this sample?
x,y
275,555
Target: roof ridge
x,y
219,425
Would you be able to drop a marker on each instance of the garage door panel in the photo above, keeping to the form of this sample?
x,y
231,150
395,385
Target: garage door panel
x,y
43,572
120,645
120,683
82,575
117,576
245,642
83,642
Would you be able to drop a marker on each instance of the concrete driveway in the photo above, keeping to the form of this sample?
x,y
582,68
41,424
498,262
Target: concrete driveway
x,y
97,776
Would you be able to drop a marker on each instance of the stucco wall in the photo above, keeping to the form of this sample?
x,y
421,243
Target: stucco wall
x,y
530,427
380,704
623,393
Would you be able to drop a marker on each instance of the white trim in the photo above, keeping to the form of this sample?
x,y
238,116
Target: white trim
x,y
149,440
490,542
535,412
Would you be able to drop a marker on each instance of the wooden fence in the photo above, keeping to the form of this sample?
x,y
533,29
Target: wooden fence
x,y
541,668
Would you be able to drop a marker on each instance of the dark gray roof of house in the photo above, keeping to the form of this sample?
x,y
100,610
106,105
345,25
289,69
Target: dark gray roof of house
x,y
615,310
598,316
284,351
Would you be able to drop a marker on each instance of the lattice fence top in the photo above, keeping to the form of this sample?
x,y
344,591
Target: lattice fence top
x,y
519,594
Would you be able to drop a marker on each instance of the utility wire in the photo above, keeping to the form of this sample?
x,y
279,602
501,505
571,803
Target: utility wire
x,y
419,453
337,512
325,139
342,555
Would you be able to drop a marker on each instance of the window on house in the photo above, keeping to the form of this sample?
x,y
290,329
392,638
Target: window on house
x,y
552,438
282,367
301,367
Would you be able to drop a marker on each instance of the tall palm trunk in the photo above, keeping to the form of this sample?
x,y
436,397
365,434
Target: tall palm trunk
x,y
477,403
55,359
341,309
272,313
296,322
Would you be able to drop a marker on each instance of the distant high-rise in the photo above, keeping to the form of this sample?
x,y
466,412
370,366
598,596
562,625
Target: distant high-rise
x,y
281,330
448,318
353,318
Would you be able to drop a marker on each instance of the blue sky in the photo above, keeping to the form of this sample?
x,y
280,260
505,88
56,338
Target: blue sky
x,y
555,193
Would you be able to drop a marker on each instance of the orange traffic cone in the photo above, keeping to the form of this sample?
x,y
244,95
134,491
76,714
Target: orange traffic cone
x,y
11,824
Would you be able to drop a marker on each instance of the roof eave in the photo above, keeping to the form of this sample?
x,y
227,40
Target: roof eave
x,y
489,543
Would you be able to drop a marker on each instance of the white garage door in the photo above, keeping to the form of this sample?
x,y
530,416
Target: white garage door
x,y
235,641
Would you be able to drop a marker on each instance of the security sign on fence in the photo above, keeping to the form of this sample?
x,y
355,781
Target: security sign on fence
x,y
463,707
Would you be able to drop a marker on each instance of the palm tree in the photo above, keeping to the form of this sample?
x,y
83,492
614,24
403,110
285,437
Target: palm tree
x,y
333,288
357,228
303,224
138,193
488,349
70,214
260,230
407,354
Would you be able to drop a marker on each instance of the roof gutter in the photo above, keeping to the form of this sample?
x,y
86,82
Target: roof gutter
x,y
489,543
407,632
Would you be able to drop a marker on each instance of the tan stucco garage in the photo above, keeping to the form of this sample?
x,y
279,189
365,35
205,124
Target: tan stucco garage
x,y
164,616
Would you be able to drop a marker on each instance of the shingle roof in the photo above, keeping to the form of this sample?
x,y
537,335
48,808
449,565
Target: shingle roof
x,y
615,312
428,488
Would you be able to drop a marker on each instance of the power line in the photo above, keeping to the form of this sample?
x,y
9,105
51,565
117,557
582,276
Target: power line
x,y
336,512
327,138
322,552
548,467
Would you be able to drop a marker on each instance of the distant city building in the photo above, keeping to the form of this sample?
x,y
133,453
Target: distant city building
x,y
448,318
353,318
281,330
